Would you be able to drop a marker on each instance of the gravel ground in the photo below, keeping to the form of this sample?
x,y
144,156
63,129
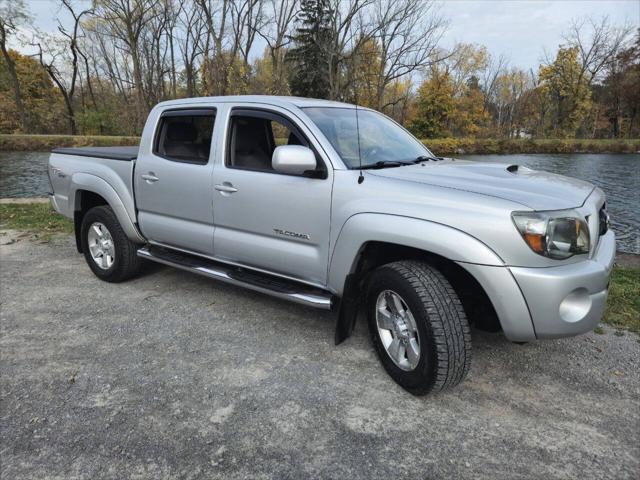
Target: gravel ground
x,y
175,376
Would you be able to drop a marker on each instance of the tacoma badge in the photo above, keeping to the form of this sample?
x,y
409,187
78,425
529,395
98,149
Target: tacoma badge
x,y
287,233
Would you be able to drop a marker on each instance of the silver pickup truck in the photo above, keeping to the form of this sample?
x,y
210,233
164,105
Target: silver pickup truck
x,y
340,208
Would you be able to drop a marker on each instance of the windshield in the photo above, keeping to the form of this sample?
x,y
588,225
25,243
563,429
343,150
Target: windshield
x,y
381,139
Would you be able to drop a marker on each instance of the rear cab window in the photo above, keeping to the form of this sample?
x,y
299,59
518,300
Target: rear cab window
x,y
185,135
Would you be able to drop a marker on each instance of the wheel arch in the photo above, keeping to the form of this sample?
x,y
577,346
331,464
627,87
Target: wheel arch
x,y
372,240
88,191
361,231
84,201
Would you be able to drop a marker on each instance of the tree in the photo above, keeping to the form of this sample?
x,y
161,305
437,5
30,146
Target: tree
x,y
363,68
434,106
126,21
468,116
41,100
59,50
349,29
509,89
620,91
568,90
281,14
407,32
214,67
309,58
598,42
12,14
191,45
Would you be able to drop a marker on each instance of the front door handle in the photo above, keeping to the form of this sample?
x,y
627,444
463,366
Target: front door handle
x,y
226,187
150,177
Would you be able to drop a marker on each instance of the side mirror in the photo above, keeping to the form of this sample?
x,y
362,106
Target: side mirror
x,y
293,159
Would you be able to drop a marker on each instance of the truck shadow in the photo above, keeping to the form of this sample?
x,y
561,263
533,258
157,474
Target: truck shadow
x,y
299,318
498,365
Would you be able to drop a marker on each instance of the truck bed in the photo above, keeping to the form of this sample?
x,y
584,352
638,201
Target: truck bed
x,y
125,154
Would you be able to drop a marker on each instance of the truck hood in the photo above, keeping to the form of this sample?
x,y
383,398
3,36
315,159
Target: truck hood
x,y
531,188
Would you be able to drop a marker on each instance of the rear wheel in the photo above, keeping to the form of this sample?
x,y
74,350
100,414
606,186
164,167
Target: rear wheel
x,y
418,327
107,249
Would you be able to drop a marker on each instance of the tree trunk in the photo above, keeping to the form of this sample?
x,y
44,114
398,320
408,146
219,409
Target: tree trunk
x,y
174,87
137,78
67,103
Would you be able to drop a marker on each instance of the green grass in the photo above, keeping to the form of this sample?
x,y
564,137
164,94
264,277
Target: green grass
x,y
623,305
35,218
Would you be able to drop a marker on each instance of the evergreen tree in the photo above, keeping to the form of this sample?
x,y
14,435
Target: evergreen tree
x,y
309,58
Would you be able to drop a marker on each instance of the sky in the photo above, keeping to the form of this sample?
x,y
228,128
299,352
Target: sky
x,y
522,30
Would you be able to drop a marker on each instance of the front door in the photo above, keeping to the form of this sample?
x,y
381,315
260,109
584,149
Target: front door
x,y
173,181
264,219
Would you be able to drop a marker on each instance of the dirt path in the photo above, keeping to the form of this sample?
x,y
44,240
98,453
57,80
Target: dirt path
x,y
175,376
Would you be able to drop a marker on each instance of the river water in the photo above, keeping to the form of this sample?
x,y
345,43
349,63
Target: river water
x,y
24,174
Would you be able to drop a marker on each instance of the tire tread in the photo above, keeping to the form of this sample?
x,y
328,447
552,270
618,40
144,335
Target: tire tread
x,y
128,262
447,322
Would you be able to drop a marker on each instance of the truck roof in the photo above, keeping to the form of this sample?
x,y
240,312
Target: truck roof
x,y
284,101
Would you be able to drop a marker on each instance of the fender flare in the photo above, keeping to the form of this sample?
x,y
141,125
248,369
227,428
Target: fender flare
x,y
95,184
432,237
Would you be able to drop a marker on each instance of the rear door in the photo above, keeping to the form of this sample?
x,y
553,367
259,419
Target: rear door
x,y
264,219
173,181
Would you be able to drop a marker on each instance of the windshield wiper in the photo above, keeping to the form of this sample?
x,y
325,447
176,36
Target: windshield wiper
x,y
385,164
426,158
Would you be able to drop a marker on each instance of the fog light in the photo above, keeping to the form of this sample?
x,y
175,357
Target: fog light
x,y
575,306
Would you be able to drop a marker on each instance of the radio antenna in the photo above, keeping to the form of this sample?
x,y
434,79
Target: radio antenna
x,y
360,177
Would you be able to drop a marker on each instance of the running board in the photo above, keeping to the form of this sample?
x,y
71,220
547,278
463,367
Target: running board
x,y
259,282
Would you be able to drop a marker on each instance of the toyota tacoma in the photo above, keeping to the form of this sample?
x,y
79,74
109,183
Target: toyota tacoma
x,y
338,207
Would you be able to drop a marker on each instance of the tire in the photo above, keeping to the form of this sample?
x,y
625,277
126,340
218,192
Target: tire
x,y
124,262
434,319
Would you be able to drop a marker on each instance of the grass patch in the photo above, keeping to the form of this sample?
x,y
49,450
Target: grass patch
x,y
37,218
623,305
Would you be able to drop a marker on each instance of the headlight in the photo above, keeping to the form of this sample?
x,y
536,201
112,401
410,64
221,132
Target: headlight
x,y
558,234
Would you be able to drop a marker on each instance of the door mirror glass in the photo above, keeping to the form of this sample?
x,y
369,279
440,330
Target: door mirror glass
x,y
293,159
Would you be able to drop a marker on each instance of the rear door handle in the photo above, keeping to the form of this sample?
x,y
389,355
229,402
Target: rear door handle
x,y
226,187
150,177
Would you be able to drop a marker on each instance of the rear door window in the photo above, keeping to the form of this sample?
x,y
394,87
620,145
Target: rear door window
x,y
185,135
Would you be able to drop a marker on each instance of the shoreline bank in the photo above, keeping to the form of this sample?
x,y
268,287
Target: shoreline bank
x,y
440,146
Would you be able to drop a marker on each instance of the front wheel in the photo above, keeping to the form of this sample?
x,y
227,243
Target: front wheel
x,y
418,327
108,251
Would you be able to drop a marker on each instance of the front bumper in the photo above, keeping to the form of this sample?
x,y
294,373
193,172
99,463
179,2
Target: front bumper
x,y
568,300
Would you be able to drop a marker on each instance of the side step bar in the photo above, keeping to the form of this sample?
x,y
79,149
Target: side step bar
x,y
259,282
